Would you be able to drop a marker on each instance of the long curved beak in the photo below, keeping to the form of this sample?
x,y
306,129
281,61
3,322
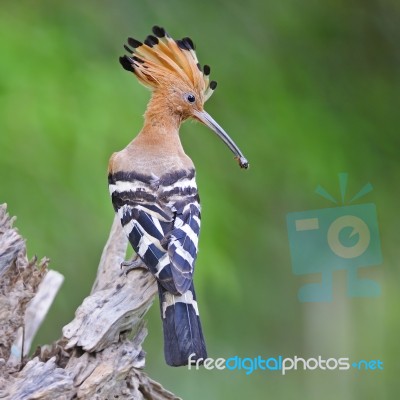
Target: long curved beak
x,y
207,120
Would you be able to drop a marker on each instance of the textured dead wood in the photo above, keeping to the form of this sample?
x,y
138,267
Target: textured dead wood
x,y
35,313
100,355
19,281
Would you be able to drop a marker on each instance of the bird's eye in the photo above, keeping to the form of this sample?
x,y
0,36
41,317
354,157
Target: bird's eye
x,y
190,98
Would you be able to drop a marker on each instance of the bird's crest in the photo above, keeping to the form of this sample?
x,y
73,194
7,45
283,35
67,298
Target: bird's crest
x,y
161,60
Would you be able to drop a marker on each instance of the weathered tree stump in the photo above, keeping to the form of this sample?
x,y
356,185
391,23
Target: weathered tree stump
x,y
100,355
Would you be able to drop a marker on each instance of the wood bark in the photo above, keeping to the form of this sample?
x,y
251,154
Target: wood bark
x,y
99,355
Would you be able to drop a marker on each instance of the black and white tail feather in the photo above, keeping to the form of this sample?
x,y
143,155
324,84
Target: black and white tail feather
x,y
161,217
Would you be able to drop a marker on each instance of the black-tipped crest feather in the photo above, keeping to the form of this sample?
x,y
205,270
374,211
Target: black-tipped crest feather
x,y
130,51
134,43
158,31
151,41
181,45
126,64
189,43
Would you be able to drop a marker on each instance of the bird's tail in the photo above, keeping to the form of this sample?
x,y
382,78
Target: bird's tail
x,y
183,336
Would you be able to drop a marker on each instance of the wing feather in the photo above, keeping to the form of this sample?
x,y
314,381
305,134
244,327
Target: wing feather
x,y
163,234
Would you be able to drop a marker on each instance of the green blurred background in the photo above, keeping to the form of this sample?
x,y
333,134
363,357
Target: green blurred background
x,y
307,89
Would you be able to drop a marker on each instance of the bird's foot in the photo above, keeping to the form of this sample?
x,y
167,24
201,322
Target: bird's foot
x,y
135,263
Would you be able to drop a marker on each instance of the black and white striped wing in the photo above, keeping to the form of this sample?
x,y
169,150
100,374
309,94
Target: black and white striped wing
x,y
163,233
183,243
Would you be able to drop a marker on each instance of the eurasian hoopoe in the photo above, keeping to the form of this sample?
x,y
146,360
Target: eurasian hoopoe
x,y
153,188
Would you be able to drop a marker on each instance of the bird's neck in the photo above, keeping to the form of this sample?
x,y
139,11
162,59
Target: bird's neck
x,y
161,127
159,121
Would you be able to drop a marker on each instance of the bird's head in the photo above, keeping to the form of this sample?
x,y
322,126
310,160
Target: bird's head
x,y
170,68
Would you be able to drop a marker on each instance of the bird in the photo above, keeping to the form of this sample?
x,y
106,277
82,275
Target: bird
x,y
152,183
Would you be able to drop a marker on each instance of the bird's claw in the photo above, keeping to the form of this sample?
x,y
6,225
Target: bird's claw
x,y
129,265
